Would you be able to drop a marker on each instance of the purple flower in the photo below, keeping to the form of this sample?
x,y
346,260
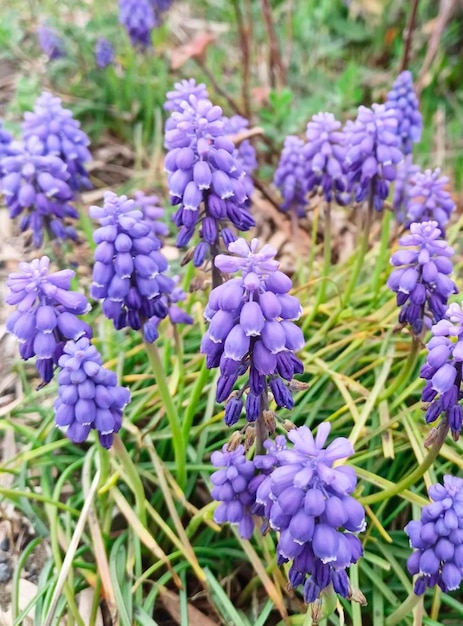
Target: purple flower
x,y
181,93
403,100
438,538
46,314
57,133
373,154
291,176
250,330
205,179
128,271
37,188
443,370
138,18
5,141
175,313
244,153
325,153
234,486
406,172
88,394
428,198
50,42
104,53
152,212
309,502
422,284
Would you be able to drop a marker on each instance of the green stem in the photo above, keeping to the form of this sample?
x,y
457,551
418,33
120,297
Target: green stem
x,y
383,253
134,480
363,248
261,428
403,610
321,294
171,411
403,375
411,479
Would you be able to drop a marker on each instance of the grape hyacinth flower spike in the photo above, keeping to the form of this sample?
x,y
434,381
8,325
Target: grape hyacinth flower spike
x,y
152,212
138,18
129,268
104,53
373,154
59,134
251,331
46,314
422,282
437,538
325,153
429,200
182,91
88,395
291,176
406,172
204,178
50,42
36,187
403,101
443,371
310,503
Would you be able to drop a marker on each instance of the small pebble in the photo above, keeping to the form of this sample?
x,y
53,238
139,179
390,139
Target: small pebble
x,y
5,572
5,544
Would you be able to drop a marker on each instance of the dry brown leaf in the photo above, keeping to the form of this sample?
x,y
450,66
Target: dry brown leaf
x,y
194,49
171,603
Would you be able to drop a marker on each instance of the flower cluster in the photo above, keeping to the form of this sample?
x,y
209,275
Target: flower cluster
x,y
50,42
56,132
182,92
152,212
438,538
128,271
235,485
250,328
46,315
245,152
204,177
373,154
36,187
5,142
428,198
175,314
104,53
421,283
139,17
406,171
291,176
309,502
88,394
325,153
443,370
403,101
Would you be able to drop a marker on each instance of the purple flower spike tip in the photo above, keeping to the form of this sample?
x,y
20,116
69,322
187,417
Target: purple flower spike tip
x,y
438,538
422,282
252,331
88,395
50,42
104,53
325,152
55,132
206,178
373,154
129,268
46,313
291,176
403,101
429,199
